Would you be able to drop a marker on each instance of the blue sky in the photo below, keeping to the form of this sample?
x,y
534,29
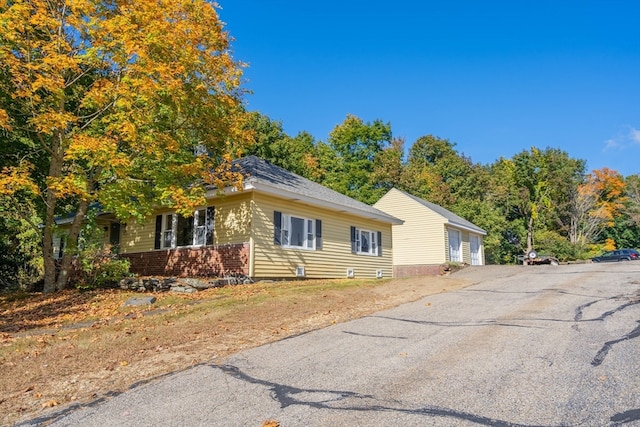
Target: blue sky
x,y
494,77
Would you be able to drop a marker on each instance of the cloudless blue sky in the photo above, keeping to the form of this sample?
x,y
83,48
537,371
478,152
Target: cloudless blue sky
x,y
493,77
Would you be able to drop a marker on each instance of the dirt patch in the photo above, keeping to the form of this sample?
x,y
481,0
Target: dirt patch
x,y
75,348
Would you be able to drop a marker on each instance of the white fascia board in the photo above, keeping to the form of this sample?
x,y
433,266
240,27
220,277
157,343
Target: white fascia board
x,y
464,227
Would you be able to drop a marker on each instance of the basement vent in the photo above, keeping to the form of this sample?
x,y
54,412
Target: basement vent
x,y
300,271
378,274
351,273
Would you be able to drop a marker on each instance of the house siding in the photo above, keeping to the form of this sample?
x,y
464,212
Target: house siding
x,y
232,222
230,252
241,238
447,254
332,260
466,248
421,243
420,240
243,243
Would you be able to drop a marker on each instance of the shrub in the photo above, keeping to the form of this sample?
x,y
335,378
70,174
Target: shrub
x,y
101,268
552,243
21,264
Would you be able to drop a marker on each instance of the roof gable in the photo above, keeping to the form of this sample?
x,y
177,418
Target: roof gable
x,y
263,176
449,216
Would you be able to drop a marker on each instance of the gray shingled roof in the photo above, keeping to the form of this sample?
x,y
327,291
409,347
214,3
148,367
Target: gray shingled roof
x,y
450,216
260,173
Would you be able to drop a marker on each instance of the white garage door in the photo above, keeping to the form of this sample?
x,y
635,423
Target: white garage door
x,y
455,252
474,243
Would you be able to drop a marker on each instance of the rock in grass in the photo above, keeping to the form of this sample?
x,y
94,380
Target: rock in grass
x,y
140,301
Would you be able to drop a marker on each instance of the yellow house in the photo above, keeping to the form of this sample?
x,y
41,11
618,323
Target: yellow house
x,y
430,235
280,225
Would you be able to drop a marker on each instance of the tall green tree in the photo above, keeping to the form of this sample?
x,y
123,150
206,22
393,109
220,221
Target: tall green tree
x,y
132,102
355,146
21,265
422,177
535,189
297,154
624,233
437,172
388,165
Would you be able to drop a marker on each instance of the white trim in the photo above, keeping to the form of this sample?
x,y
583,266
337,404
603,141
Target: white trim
x,y
373,242
308,229
198,223
465,228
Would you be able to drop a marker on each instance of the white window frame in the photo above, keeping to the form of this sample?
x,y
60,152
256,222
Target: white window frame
x,y
308,232
372,248
200,227
169,231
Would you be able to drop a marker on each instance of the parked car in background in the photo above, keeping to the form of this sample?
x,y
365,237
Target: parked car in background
x,y
618,255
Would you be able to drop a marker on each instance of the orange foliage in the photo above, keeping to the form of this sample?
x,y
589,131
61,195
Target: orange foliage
x,y
607,187
4,120
146,75
14,179
118,94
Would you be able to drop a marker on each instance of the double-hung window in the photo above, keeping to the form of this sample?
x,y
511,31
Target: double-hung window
x,y
366,242
174,231
295,232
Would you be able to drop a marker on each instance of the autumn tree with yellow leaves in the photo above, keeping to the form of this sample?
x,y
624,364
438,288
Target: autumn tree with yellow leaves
x,y
132,103
596,204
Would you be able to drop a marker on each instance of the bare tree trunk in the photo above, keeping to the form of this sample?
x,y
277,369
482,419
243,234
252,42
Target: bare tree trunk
x,y
47,248
55,170
530,235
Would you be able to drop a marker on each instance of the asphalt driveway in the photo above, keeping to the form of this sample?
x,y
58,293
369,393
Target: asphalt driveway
x,y
520,346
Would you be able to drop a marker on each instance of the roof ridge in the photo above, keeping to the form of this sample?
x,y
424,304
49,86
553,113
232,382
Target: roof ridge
x,y
265,173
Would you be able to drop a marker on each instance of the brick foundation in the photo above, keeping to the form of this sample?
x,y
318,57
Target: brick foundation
x,y
212,261
417,270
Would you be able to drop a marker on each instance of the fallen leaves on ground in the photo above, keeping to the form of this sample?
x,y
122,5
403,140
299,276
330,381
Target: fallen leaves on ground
x,y
50,404
68,307
62,345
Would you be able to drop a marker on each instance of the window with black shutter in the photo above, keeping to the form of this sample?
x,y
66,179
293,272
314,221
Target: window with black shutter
x,y
366,242
174,231
318,234
294,232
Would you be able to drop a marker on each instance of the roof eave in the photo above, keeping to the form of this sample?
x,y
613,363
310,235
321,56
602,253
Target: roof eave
x,y
253,185
467,228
